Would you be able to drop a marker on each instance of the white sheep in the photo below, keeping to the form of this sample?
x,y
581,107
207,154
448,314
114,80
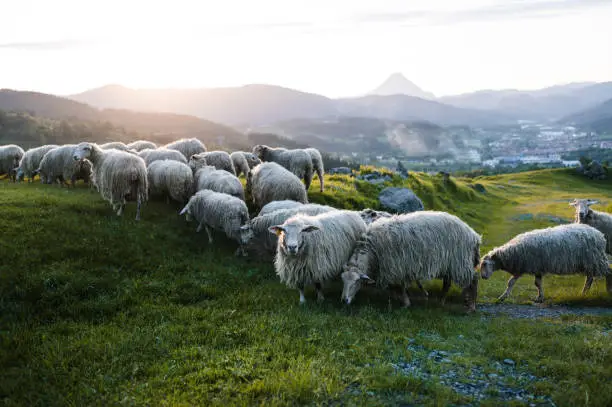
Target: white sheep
x,y
311,250
149,155
221,160
215,210
58,165
416,246
187,147
208,177
140,145
601,221
31,161
277,205
561,250
119,175
297,161
10,155
117,145
270,181
170,178
243,161
317,163
370,215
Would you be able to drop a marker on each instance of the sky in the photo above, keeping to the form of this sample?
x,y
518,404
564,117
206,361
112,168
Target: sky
x,y
336,48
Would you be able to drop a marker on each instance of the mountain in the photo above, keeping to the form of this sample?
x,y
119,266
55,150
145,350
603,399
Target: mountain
x,y
598,118
398,84
550,103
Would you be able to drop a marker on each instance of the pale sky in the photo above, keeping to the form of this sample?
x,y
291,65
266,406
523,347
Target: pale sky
x,y
331,47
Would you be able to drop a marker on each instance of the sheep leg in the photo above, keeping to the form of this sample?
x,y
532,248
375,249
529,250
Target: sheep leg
x,y
538,284
405,298
138,203
587,284
446,284
470,293
120,211
423,290
302,297
320,175
511,283
210,239
319,291
199,228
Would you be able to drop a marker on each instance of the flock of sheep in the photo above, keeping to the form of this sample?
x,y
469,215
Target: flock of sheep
x,y
313,244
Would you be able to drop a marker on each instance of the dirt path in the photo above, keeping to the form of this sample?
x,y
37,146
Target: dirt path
x,y
536,311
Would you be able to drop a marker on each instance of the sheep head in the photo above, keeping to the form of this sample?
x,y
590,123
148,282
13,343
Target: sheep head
x,y
487,266
197,161
246,233
260,151
82,151
353,276
291,235
252,159
583,209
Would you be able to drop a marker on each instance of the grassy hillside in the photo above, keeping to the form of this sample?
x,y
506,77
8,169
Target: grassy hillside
x,y
100,310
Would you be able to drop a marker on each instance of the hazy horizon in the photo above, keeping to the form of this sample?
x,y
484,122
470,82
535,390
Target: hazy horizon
x,y
343,50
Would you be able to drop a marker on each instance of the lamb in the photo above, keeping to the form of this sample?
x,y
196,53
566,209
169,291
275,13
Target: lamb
x,y
119,175
114,144
271,182
10,155
312,249
566,249
601,221
31,161
58,165
170,178
317,163
216,210
243,162
208,177
149,155
417,246
140,145
255,235
370,215
221,160
187,147
297,161
278,205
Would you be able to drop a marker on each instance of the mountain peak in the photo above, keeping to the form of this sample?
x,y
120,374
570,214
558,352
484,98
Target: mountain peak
x,y
398,84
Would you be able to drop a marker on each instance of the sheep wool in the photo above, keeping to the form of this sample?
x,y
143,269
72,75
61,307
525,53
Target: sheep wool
x,y
277,205
317,163
140,145
296,161
170,178
270,181
149,155
208,177
601,221
117,145
240,162
221,160
10,155
31,161
58,164
187,147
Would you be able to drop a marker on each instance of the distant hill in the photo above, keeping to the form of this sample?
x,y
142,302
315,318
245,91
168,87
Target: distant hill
x,y
550,103
598,118
159,127
398,84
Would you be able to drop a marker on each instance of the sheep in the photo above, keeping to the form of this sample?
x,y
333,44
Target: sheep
x,y
208,177
270,181
114,144
565,249
277,205
140,145
255,232
187,147
297,161
10,155
31,161
221,160
370,215
415,246
58,165
216,210
601,221
170,178
241,165
119,175
149,155
313,249
252,159
317,163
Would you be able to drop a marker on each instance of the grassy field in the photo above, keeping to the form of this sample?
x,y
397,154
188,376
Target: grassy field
x,y
98,310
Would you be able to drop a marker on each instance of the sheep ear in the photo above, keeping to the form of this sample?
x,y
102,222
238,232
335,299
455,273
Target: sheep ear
x,y
276,229
309,228
366,278
572,203
592,202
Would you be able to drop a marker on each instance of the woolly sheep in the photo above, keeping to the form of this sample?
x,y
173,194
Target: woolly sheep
x,y
601,221
251,159
270,181
140,145
208,177
117,145
215,210
241,164
313,249
256,236
149,155
297,161
58,165
221,160
187,147
119,175
370,215
416,246
31,161
561,250
317,163
170,178
10,155
277,205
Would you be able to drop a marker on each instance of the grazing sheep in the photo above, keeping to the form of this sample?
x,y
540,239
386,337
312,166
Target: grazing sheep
x,y
297,161
416,246
170,178
10,155
601,221
218,211
317,163
270,181
119,175
561,250
255,232
149,155
208,177
58,165
370,215
117,145
240,162
278,205
312,249
31,161
221,160
187,147
251,159
140,145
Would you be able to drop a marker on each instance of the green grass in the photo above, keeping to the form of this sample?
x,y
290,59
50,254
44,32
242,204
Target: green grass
x,y
97,310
